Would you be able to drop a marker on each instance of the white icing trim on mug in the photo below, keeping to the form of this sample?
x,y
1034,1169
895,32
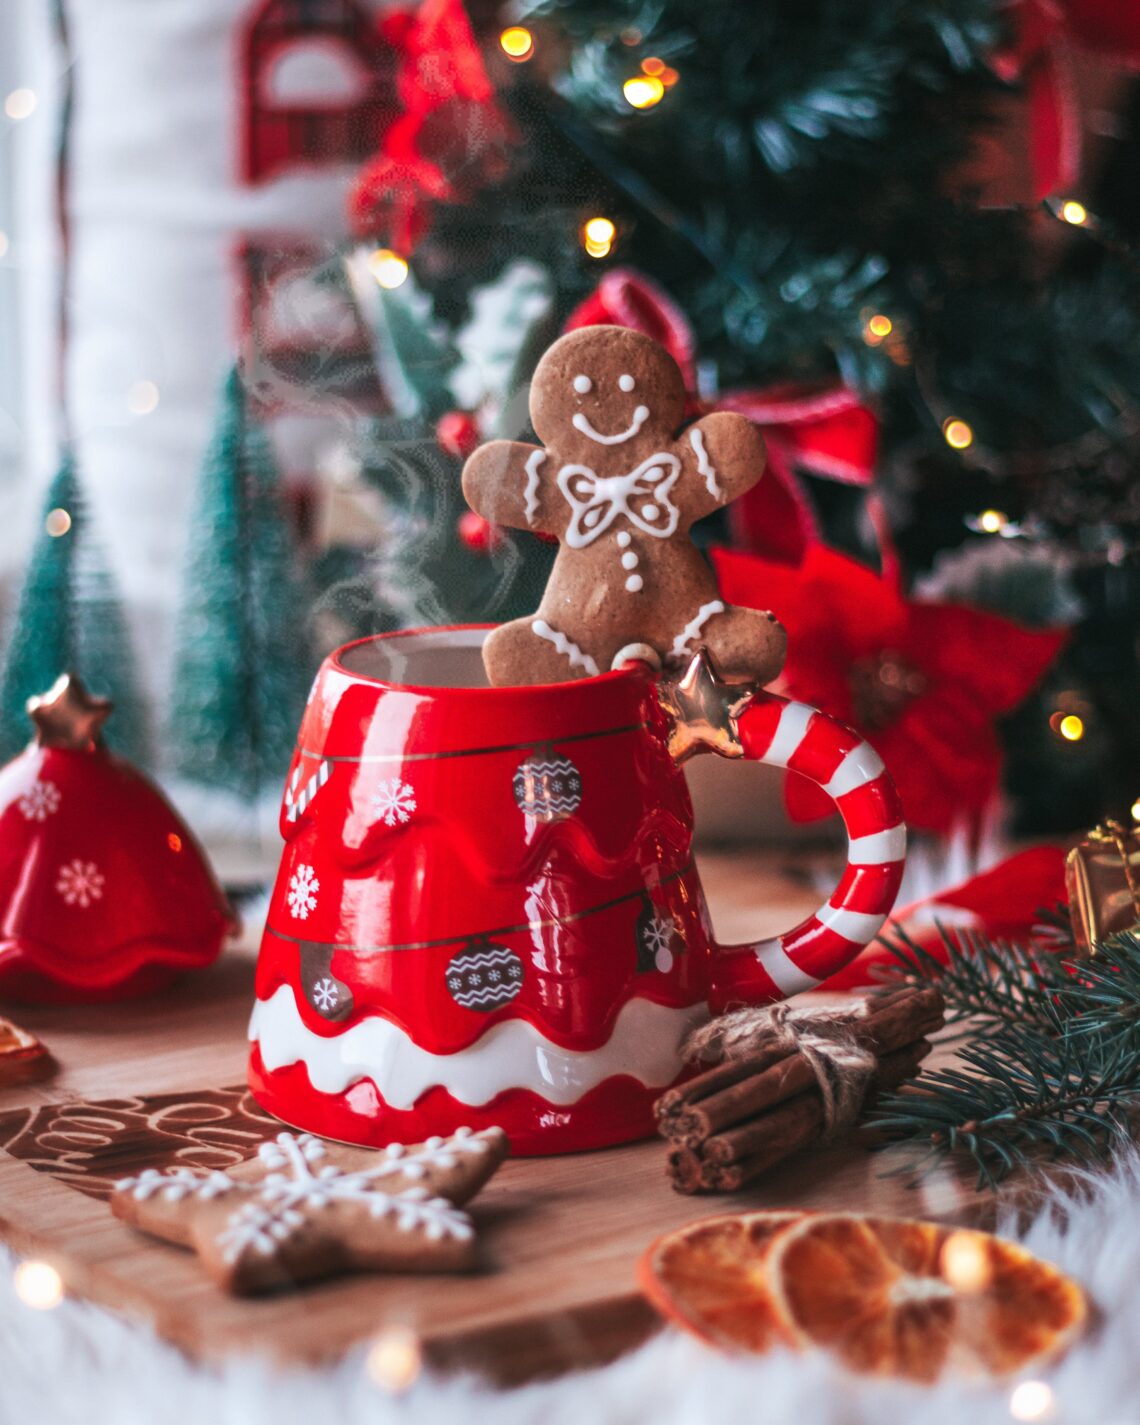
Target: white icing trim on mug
x,y
694,626
704,465
644,1043
581,422
565,646
530,495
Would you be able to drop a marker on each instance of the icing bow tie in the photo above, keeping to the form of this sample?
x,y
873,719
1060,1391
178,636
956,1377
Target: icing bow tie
x,y
642,497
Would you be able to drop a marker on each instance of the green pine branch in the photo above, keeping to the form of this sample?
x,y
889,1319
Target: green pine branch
x,y
988,985
1051,1069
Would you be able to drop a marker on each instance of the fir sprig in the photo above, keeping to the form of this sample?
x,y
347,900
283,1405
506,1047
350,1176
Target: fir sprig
x,y
987,984
1052,1070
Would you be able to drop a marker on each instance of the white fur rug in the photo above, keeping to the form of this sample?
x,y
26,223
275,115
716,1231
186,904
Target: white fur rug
x,y
77,1365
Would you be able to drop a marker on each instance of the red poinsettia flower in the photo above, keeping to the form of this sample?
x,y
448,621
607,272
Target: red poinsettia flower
x,y
923,682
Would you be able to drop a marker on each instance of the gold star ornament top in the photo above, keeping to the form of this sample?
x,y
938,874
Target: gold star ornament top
x,y
67,715
704,710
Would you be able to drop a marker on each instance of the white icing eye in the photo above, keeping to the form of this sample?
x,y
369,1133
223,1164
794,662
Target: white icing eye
x,y
650,512
582,384
626,383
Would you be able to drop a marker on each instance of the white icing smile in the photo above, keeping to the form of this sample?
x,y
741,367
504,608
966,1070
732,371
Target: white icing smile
x,y
581,422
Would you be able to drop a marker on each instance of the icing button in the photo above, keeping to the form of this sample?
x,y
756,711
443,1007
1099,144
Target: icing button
x,y
634,583
649,512
623,539
629,560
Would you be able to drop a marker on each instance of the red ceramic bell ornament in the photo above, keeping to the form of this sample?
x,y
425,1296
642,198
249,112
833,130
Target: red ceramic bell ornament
x,y
104,891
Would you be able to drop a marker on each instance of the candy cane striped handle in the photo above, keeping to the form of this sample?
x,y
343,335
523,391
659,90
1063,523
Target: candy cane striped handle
x,y
803,739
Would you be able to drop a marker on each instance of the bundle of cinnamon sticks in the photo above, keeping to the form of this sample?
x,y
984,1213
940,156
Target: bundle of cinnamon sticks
x,y
731,1124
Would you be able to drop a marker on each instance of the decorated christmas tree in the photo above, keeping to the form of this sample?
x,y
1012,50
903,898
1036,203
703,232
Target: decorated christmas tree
x,y
68,619
242,664
886,234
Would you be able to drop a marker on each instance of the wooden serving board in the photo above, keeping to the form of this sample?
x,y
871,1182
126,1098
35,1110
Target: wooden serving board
x,y
161,1081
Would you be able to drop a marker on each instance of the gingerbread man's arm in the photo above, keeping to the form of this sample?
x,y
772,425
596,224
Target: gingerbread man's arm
x,y
722,455
510,483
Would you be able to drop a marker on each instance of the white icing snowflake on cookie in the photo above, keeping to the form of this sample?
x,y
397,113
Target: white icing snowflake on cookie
x,y
258,1228
306,1207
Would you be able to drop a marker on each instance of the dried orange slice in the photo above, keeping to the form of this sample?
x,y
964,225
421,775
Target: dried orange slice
x,y
711,1278
894,1297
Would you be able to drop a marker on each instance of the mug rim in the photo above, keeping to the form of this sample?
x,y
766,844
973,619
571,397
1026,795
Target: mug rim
x,y
336,660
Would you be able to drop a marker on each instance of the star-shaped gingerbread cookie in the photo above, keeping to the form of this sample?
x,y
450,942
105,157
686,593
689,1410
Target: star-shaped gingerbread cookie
x,y
304,1208
619,482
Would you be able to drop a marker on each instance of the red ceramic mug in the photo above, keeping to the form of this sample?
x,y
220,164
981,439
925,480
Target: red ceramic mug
x,y
487,909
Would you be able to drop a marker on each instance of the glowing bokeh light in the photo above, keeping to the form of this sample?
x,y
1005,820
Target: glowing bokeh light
x,y
517,43
642,91
38,1285
395,1360
389,268
957,433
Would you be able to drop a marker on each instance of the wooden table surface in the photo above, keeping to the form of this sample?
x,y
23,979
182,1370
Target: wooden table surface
x,y
562,1236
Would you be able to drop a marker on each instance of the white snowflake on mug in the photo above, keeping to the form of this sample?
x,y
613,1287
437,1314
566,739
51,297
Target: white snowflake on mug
x,y
40,801
659,939
303,888
80,883
393,801
325,994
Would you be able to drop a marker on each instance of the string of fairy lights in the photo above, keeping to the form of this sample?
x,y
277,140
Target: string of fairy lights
x,y
597,234
645,88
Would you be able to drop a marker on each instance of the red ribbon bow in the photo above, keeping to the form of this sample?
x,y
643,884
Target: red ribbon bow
x,y
1045,36
821,428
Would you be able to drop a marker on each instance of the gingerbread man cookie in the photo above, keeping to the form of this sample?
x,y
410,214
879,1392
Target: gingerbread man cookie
x,y
620,494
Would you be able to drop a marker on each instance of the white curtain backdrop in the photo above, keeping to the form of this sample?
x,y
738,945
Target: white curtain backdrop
x,y
156,210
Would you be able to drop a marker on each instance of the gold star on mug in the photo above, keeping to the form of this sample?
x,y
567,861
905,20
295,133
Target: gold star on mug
x,y
704,709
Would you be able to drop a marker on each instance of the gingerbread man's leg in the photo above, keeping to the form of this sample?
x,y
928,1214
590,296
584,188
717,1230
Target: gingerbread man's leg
x,y
746,644
530,651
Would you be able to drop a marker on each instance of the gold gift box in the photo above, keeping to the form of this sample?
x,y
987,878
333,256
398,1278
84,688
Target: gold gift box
x,y
1102,875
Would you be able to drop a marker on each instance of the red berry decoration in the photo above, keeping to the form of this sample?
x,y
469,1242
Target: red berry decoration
x,y
478,534
457,433
106,893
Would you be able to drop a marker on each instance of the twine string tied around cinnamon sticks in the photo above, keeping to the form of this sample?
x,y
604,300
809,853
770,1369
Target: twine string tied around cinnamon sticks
x,y
844,1068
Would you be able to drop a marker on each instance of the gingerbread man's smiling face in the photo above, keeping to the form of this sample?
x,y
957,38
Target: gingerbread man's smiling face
x,y
605,390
